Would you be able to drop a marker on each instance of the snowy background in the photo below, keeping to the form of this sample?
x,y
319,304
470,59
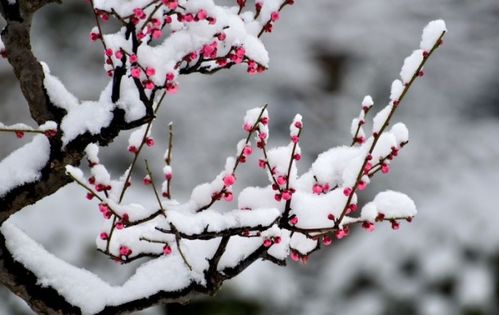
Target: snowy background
x,y
325,57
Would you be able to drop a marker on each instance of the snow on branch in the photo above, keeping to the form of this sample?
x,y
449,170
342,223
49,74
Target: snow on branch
x,y
195,246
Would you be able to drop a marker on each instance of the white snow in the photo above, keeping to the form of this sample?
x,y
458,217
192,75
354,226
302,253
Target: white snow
x,y
24,164
411,65
431,34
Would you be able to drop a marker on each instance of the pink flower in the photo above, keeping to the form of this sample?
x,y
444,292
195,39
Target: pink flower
x,y
368,226
274,16
118,54
103,207
156,34
362,185
170,76
341,234
139,13
229,180
221,36
228,196
247,150
281,180
133,58
202,14
286,195
385,168
150,71
150,142
135,72
347,191
125,251
167,250
317,189
326,240
261,164
171,88
133,149
395,225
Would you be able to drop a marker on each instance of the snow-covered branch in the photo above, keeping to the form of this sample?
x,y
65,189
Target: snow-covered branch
x,y
195,247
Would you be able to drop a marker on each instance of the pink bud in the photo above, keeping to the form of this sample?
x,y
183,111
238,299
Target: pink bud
x,y
262,164
317,189
19,134
171,88
297,156
103,207
118,54
170,76
298,124
325,188
228,196
277,197
295,139
133,58
294,256
90,196
347,191
267,243
229,180
368,226
362,185
167,250
385,168
247,150
125,251
147,180
395,225
156,34
150,71
274,16
326,240
135,72
262,135
221,36
103,236
149,85
109,52
150,142
202,14
281,180
168,176
340,234
293,220
132,149
120,225
248,127
330,217
286,195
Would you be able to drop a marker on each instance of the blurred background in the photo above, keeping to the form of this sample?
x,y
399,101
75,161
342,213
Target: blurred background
x,y
325,56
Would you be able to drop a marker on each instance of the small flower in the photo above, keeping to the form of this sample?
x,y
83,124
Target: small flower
x,y
229,180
